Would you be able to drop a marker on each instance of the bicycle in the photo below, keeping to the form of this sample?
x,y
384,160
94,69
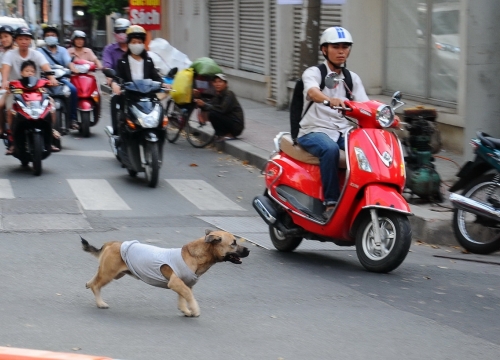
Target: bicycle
x,y
198,133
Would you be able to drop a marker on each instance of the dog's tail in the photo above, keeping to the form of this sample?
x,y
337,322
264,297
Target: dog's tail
x,y
90,248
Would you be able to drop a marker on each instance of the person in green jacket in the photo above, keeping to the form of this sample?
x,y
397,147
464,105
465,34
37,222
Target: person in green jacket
x,y
224,111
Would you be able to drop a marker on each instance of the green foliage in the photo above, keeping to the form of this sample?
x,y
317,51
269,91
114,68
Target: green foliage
x,y
101,8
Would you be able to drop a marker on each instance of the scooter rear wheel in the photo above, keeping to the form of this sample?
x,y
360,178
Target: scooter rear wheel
x,y
283,242
478,234
85,123
395,233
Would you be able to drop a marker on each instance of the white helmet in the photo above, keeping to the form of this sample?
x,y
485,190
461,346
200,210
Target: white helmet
x,y
335,35
121,24
78,34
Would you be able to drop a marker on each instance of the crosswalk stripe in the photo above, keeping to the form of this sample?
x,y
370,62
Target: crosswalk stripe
x,y
203,195
97,194
6,191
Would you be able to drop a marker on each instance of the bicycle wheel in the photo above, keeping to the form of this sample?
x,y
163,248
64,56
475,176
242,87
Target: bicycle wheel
x,y
199,134
175,121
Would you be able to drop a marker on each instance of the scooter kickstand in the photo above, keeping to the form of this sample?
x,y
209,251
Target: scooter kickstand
x,y
376,230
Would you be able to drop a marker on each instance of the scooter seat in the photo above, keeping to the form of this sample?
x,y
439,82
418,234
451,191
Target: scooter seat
x,y
298,153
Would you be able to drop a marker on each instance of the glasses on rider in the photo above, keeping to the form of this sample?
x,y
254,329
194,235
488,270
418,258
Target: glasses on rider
x,y
120,31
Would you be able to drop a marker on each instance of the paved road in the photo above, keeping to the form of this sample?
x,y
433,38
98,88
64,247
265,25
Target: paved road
x,y
316,303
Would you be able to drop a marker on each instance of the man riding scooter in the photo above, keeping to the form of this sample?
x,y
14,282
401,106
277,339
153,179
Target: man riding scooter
x,y
322,129
7,41
58,55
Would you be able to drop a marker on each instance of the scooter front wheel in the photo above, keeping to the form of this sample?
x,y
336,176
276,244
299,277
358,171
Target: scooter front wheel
x,y
395,236
282,242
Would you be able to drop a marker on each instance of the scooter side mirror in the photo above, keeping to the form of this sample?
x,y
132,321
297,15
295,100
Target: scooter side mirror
x,y
331,79
396,100
109,73
172,72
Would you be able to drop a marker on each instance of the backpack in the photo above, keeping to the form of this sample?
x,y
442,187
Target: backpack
x,y
297,103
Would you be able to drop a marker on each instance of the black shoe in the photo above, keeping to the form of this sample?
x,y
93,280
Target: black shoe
x,y
327,214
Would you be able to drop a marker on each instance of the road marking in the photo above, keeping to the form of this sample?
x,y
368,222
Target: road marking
x,y
94,153
6,191
203,195
97,194
44,222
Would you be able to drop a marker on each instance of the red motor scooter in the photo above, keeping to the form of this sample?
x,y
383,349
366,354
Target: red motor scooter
x,y
32,122
371,213
89,96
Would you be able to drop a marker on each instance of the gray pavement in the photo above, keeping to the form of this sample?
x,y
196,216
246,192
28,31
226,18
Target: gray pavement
x,y
431,222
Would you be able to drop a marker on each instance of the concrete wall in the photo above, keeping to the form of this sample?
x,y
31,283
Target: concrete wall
x,y
365,21
188,25
482,57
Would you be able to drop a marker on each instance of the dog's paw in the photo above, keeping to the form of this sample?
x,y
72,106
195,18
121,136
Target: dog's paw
x,y
102,305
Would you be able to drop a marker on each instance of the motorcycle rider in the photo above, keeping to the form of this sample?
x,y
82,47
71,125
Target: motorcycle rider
x,y
135,64
111,54
323,129
11,66
58,55
79,51
7,41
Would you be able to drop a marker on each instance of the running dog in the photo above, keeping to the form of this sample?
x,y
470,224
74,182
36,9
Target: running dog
x,y
176,269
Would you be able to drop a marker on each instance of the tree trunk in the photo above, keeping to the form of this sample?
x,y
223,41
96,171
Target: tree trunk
x,y
309,39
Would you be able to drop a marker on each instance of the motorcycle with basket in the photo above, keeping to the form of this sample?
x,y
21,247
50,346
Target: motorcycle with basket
x,y
371,213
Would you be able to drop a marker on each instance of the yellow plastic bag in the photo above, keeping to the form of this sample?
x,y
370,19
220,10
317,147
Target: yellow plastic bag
x,y
182,87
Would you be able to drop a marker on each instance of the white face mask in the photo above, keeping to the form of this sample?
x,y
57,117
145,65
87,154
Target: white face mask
x,y
136,49
51,40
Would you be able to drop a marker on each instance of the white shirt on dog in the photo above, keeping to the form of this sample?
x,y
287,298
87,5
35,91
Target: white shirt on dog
x,y
145,261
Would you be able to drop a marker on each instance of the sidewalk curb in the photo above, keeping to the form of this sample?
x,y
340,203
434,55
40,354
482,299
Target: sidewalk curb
x,y
427,226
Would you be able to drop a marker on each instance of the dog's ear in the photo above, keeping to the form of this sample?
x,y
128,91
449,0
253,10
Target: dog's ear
x,y
208,231
213,239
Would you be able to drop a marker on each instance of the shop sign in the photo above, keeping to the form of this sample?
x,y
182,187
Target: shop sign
x,y
145,13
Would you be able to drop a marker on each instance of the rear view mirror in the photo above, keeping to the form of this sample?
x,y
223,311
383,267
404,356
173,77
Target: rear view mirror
x,y
172,72
109,73
396,100
331,79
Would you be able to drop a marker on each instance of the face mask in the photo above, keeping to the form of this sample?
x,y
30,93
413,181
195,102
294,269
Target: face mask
x,y
51,40
121,38
136,49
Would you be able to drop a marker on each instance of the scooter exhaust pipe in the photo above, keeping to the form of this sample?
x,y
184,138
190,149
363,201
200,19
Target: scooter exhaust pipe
x,y
265,209
474,207
268,212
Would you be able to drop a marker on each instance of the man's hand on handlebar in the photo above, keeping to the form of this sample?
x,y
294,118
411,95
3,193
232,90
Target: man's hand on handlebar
x,y
199,102
5,84
116,88
336,102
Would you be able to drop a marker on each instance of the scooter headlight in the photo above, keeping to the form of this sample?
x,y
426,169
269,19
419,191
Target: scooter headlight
x,y
385,115
34,108
150,120
362,160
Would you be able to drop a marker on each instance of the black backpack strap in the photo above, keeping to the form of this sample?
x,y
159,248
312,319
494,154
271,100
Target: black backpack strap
x,y
322,68
348,82
50,55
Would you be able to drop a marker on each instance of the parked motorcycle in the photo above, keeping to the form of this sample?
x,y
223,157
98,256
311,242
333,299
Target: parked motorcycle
x,y
32,122
139,144
371,214
89,96
476,217
61,95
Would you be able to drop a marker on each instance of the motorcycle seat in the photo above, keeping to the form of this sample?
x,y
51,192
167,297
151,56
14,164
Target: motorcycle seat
x,y
298,153
488,140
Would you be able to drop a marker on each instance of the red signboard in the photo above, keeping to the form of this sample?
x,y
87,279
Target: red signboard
x,y
146,13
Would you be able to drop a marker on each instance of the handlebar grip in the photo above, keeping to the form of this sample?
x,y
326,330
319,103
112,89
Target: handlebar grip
x,y
327,103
